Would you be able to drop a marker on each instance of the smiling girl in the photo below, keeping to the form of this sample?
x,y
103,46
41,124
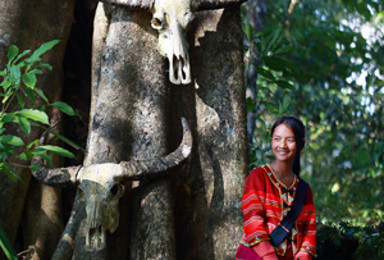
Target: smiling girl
x,y
268,197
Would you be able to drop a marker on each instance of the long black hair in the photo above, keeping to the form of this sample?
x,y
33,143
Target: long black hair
x,y
298,129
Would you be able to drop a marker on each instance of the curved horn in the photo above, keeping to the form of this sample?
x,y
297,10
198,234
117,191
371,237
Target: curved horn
x,y
55,176
200,4
132,4
135,170
216,4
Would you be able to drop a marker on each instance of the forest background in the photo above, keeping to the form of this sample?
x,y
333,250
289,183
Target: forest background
x,y
322,61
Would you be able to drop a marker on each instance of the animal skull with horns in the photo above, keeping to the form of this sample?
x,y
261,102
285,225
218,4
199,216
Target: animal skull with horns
x,y
171,18
101,185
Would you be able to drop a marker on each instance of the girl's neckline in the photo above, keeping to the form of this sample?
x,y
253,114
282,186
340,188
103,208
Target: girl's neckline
x,y
280,182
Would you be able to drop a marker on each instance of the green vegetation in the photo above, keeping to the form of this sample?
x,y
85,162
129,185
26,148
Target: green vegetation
x,y
6,246
18,91
324,63
18,82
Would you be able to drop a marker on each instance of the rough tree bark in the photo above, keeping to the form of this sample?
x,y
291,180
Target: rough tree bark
x,y
129,120
28,24
206,220
135,112
211,222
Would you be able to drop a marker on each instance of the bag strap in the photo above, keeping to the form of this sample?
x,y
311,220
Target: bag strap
x,y
282,230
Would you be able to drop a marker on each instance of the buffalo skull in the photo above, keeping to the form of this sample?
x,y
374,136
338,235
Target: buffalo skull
x,y
171,19
100,186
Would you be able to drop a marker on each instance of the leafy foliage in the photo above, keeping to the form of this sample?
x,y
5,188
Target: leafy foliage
x,y
18,88
6,246
18,84
350,242
323,62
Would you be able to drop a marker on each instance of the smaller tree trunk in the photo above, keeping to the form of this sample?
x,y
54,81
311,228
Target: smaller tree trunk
x,y
28,24
42,223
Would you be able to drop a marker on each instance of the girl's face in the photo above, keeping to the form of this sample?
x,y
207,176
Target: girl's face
x,y
283,143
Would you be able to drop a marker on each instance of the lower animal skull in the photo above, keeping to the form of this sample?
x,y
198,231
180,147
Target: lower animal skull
x,y
101,194
100,186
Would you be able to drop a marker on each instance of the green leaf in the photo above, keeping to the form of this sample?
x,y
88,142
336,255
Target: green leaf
x,y
33,143
42,154
5,84
285,84
7,96
12,52
66,140
20,100
250,104
265,73
29,80
363,157
41,94
24,53
24,156
15,75
64,107
7,246
263,51
249,31
41,50
8,117
36,72
286,102
272,108
29,93
283,50
6,151
12,140
55,149
274,40
281,110
283,106
44,65
35,115
24,125
280,64
34,168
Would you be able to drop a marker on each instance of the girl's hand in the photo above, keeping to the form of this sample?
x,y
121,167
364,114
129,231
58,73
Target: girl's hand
x,y
270,257
265,250
303,256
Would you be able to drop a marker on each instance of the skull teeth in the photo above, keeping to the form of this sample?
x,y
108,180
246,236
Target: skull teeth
x,y
179,72
95,239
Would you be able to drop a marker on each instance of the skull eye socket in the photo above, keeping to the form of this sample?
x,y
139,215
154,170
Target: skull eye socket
x,y
156,23
80,193
117,190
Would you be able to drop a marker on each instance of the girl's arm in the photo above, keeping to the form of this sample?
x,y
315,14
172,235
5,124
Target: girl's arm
x,y
254,216
308,246
265,250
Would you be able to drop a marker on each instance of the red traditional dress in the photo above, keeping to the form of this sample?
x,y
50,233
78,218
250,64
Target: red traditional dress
x,y
265,202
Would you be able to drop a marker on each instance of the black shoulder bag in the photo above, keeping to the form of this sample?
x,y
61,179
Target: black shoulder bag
x,y
282,230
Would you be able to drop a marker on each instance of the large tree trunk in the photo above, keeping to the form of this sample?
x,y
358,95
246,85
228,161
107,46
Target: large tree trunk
x,y
28,24
211,222
129,120
142,121
194,212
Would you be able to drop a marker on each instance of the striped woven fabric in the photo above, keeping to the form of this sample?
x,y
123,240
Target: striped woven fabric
x,y
265,202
